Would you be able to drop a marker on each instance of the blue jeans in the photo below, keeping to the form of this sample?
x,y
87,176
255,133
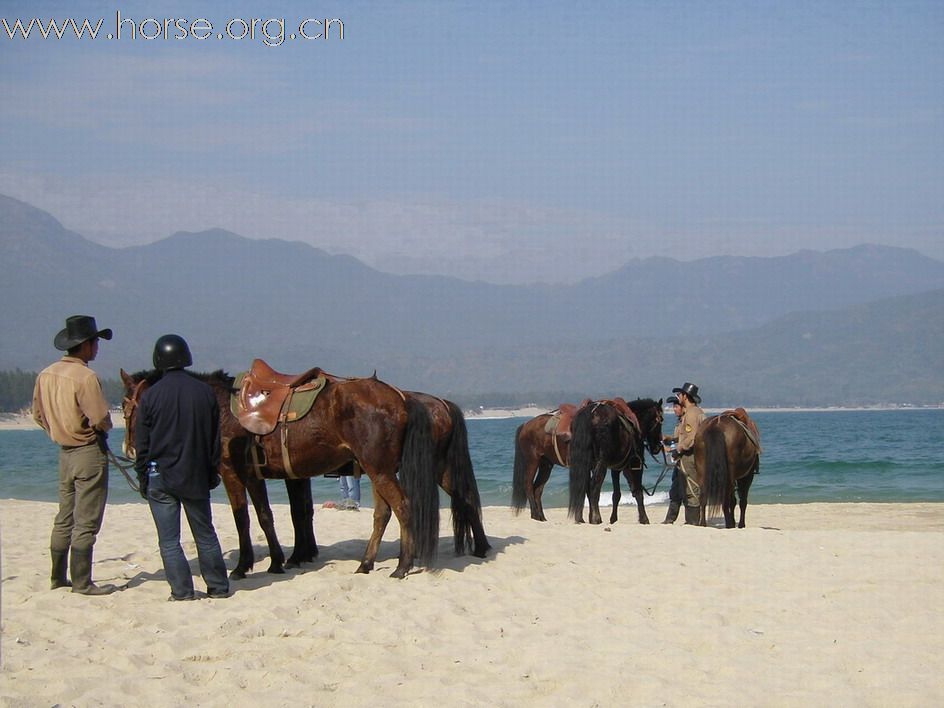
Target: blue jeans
x,y
165,508
350,487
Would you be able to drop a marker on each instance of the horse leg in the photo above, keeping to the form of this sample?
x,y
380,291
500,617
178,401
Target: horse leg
x,y
634,477
466,509
544,473
617,495
728,509
236,491
303,521
593,496
382,514
260,502
744,486
388,489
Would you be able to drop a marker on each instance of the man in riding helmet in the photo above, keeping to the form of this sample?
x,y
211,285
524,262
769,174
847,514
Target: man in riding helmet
x,y
69,405
177,438
692,417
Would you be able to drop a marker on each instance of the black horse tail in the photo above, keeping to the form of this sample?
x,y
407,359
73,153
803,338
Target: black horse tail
x,y
418,479
466,503
519,495
582,445
716,481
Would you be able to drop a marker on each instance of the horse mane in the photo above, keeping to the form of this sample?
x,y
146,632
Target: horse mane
x,y
642,405
152,376
219,377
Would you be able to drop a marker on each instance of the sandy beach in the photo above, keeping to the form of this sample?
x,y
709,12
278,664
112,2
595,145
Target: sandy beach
x,y
814,604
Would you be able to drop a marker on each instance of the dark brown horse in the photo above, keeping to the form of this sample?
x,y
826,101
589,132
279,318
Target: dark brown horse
x,y
606,438
353,420
727,454
452,465
536,453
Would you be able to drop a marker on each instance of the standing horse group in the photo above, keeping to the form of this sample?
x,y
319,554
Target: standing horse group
x,y
410,444
614,435
407,443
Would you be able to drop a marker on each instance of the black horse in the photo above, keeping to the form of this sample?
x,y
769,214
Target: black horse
x,y
614,435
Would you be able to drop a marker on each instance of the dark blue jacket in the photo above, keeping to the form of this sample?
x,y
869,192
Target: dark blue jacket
x,y
178,426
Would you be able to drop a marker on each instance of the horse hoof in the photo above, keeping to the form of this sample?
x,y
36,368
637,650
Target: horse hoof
x,y
276,570
290,564
237,574
399,573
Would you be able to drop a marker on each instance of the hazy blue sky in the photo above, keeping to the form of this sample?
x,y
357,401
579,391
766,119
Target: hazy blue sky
x,y
504,141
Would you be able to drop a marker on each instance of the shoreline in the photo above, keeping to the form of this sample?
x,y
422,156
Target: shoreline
x,y
24,421
795,601
495,413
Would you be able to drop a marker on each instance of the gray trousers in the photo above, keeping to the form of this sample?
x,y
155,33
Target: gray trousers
x,y
83,490
692,490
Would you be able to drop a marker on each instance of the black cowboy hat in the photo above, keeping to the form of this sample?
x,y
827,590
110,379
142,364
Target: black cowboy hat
x,y
79,328
690,390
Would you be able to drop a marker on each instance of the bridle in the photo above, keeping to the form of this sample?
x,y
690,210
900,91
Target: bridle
x,y
129,405
657,421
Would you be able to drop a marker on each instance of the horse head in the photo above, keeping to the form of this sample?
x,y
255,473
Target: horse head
x,y
649,414
134,386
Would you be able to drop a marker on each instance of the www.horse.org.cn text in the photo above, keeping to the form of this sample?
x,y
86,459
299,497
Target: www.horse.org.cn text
x,y
271,31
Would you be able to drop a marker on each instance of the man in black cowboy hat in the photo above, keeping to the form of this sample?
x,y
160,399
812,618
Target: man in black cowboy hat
x,y
69,405
692,416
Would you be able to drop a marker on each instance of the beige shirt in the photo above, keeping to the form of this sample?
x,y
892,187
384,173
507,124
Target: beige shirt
x,y
68,403
688,426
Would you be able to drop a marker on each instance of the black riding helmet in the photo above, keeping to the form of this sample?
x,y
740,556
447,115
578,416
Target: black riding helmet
x,y
171,352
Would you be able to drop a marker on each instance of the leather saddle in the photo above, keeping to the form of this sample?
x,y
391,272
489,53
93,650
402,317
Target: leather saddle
x,y
745,421
627,417
265,396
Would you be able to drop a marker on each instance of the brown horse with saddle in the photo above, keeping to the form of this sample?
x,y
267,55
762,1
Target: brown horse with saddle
x,y
266,433
540,443
727,455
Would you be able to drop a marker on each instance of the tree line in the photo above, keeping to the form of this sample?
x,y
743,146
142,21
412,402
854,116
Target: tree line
x,y
16,390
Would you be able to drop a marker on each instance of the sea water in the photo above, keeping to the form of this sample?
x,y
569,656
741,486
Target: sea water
x,y
821,456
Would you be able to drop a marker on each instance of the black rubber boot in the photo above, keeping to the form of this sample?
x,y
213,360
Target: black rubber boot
x,y
672,514
81,562
692,515
60,567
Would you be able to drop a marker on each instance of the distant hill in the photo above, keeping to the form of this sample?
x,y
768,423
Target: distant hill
x,y
295,305
888,351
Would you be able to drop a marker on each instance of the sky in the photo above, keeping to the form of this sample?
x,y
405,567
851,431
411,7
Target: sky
x,y
512,142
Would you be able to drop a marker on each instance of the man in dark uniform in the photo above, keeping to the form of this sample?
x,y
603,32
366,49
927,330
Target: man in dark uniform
x,y
177,436
69,405
677,490
692,417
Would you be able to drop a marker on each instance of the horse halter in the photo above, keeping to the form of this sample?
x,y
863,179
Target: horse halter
x,y
656,425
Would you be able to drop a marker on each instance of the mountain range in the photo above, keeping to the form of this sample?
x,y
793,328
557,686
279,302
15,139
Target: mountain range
x,y
851,326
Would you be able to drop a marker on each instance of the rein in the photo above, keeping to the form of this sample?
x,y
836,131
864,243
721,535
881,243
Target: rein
x,y
118,460
666,465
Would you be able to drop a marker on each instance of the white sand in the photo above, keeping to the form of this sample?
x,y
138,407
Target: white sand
x,y
815,604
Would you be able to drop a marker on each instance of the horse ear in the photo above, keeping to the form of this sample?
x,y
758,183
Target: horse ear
x,y
125,378
660,402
